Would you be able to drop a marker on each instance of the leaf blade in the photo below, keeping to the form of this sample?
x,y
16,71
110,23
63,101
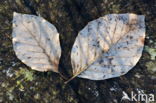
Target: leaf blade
x,y
105,33
37,40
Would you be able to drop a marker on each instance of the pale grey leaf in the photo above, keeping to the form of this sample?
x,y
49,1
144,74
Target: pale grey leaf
x,y
109,46
36,42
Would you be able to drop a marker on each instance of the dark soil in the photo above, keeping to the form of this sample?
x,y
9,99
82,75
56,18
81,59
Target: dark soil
x,y
20,84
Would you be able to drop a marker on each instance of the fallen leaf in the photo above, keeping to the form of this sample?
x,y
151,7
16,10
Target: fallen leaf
x,y
108,47
36,42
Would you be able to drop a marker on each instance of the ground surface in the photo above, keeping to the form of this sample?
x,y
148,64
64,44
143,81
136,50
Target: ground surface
x,y
20,84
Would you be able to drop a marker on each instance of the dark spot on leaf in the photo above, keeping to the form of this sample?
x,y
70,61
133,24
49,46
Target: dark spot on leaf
x,y
127,36
127,42
29,57
112,70
103,51
94,45
101,61
122,72
98,42
110,60
125,47
98,24
131,37
89,28
110,18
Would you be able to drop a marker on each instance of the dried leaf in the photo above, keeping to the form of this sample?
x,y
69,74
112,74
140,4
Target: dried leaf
x,y
108,47
36,42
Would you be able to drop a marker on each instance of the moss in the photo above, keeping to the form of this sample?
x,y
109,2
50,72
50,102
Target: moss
x,y
54,92
37,96
151,51
20,85
28,75
116,8
22,76
1,68
4,84
9,93
151,66
18,2
71,99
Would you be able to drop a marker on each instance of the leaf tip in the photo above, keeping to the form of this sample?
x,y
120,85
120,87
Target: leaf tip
x,y
15,14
